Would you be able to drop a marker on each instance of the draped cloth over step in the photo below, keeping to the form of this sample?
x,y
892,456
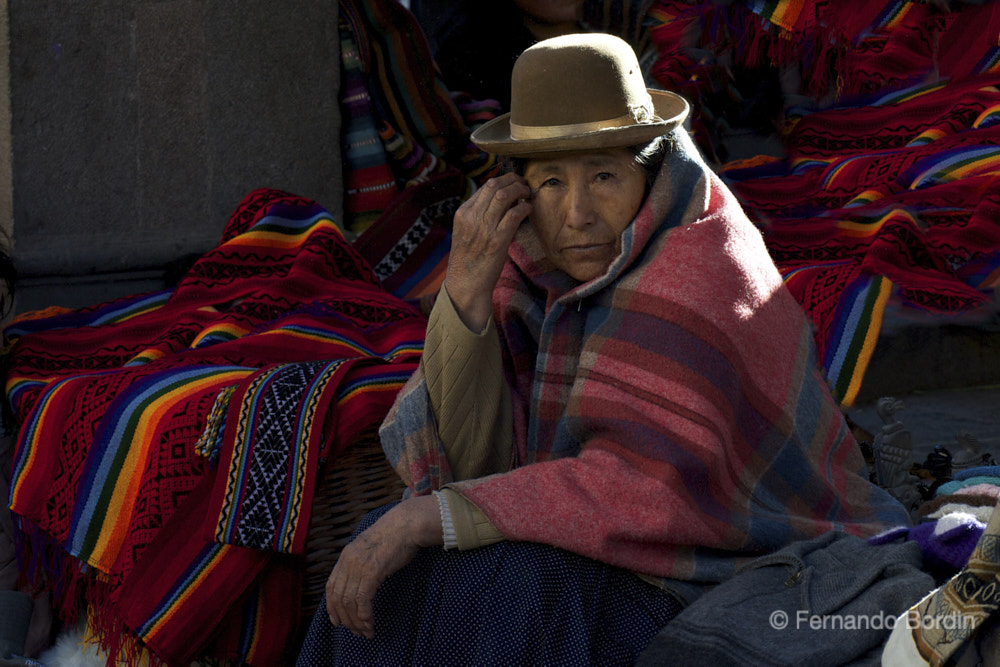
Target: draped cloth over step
x,y
170,442
669,417
886,210
884,206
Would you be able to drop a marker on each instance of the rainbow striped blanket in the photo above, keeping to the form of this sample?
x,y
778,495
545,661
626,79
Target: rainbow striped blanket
x,y
887,195
898,198
169,443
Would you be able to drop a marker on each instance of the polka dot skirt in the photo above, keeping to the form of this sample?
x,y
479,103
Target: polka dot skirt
x,y
511,603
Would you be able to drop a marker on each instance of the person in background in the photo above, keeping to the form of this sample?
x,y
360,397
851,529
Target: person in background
x,y
475,44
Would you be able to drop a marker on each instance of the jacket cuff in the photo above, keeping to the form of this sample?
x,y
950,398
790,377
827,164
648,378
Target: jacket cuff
x,y
447,525
472,528
444,314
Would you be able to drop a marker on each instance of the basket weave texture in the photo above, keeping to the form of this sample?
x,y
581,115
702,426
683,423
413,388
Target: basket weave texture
x,y
357,481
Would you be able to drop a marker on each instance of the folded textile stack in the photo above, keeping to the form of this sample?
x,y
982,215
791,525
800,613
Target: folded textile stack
x,y
958,622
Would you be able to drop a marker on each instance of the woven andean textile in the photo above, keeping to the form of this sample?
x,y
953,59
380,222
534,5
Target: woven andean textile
x,y
836,49
170,441
888,193
401,124
900,197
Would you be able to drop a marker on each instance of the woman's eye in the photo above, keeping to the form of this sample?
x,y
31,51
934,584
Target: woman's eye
x,y
551,182
604,176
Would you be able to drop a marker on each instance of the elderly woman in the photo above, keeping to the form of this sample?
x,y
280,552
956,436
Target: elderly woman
x,y
615,383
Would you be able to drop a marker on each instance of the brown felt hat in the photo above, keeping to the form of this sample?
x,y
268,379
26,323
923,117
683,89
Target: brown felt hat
x,y
579,92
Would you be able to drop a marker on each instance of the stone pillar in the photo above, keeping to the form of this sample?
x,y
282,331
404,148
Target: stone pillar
x,y
6,193
137,126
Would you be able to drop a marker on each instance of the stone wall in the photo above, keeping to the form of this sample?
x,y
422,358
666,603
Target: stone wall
x,y
137,126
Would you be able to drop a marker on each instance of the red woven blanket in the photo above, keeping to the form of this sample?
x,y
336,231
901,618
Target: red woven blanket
x,y
277,349
889,126
900,197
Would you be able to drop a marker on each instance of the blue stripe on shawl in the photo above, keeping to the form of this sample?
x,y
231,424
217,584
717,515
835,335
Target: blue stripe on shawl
x,y
685,172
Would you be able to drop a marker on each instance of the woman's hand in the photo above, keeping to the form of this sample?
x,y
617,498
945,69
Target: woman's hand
x,y
484,227
385,547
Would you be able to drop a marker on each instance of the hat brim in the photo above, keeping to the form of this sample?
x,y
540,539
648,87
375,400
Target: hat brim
x,y
494,136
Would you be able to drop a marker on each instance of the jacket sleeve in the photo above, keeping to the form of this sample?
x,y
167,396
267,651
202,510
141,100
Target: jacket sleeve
x,y
464,525
471,403
468,393
453,421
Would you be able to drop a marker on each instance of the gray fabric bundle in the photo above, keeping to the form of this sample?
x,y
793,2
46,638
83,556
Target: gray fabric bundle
x,y
832,600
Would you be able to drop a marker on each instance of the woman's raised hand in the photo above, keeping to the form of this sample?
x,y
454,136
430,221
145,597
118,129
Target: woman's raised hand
x,y
484,227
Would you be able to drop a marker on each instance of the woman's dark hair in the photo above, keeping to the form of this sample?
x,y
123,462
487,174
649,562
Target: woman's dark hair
x,y
649,156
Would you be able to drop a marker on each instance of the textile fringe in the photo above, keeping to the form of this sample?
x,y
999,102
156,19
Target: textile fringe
x,y
124,649
757,42
76,589
45,567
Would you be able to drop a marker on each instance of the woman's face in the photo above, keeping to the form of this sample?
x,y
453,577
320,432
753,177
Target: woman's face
x,y
580,205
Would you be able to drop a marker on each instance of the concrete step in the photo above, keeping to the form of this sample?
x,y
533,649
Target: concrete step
x,y
938,417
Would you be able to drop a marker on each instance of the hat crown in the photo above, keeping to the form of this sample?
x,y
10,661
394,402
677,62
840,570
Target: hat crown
x,y
579,92
577,79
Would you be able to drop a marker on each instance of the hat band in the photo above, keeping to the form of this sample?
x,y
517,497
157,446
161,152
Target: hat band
x,y
527,132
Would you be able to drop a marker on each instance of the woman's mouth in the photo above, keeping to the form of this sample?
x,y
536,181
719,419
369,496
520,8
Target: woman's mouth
x,y
587,247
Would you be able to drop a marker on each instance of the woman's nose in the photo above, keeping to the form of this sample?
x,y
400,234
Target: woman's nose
x,y
581,211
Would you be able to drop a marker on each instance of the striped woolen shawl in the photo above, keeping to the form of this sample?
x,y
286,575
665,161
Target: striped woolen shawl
x,y
669,416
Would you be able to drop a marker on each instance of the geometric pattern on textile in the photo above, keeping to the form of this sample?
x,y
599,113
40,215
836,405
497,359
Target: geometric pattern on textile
x,y
889,181
417,232
408,245
278,410
112,400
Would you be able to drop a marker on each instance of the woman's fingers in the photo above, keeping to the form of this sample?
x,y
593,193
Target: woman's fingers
x,y
503,194
509,198
335,584
360,592
345,592
367,561
483,230
364,599
483,212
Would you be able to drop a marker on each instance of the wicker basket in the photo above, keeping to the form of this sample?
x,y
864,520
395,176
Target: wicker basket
x,y
356,482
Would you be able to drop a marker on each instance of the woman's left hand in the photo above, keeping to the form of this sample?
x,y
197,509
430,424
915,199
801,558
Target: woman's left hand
x,y
385,547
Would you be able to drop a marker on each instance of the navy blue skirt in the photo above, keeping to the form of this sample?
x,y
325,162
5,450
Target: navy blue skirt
x,y
509,603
